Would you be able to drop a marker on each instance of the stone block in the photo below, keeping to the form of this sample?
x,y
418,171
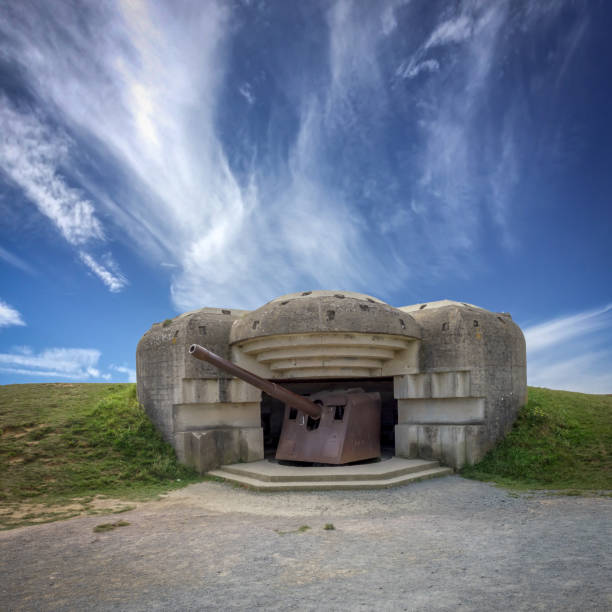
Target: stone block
x,y
442,384
407,441
208,391
411,386
456,410
190,417
182,440
450,384
430,445
211,448
462,384
251,444
228,446
205,450
452,439
475,444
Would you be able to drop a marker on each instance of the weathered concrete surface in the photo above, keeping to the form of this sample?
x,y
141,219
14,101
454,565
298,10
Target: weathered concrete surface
x,y
324,311
329,354
466,352
459,371
272,476
445,544
162,361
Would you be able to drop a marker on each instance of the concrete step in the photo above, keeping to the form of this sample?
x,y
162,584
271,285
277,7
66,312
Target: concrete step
x,y
270,471
336,478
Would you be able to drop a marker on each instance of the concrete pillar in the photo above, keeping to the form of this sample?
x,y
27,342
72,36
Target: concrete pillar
x,y
218,423
437,417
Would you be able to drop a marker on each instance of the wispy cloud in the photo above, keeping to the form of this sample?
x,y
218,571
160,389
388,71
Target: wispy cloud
x,y
271,200
71,363
450,187
560,330
572,352
109,274
31,155
15,261
9,316
247,92
455,30
412,70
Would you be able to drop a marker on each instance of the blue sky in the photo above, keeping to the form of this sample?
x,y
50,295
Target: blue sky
x,y
161,157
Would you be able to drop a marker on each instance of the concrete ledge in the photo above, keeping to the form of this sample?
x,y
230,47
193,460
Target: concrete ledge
x,y
208,391
456,410
445,384
450,384
411,386
191,417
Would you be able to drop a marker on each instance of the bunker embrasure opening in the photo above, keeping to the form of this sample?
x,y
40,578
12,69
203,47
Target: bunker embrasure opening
x,y
273,412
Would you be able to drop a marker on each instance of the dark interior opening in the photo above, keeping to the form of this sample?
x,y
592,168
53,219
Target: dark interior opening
x,y
272,410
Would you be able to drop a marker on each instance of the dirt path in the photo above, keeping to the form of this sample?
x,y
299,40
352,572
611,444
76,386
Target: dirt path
x,y
438,545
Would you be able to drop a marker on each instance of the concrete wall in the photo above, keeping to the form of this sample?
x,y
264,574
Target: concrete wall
x,y
471,385
210,419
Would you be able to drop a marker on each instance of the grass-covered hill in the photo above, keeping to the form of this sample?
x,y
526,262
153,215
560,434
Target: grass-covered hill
x,y
561,440
66,444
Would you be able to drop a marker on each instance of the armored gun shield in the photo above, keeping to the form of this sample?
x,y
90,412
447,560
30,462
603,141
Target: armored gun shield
x,y
348,429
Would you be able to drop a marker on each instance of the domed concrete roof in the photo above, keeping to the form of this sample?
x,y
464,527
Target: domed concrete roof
x,y
324,311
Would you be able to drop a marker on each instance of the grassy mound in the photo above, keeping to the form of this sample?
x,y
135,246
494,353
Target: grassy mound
x,y
61,441
65,442
561,440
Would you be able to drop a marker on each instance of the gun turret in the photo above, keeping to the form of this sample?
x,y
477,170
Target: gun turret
x,y
337,427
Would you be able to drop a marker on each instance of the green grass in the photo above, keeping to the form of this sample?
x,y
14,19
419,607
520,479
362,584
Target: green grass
x,y
560,441
59,442
65,442
329,527
109,526
300,529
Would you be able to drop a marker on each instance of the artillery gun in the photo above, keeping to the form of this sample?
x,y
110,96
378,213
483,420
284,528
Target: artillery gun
x,y
334,427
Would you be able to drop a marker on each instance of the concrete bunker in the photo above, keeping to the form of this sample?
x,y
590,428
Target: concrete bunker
x,y
452,375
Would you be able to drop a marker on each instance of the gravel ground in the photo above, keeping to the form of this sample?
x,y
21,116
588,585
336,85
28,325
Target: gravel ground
x,y
442,544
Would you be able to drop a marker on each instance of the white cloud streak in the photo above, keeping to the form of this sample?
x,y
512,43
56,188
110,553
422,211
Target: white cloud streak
x,y
455,30
560,330
9,316
151,102
143,85
109,274
29,156
450,180
430,65
572,352
15,261
72,363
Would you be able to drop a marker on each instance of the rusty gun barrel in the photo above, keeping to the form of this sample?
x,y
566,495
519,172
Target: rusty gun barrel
x,y
284,395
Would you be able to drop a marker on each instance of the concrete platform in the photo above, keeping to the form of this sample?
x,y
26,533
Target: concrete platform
x,y
271,476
